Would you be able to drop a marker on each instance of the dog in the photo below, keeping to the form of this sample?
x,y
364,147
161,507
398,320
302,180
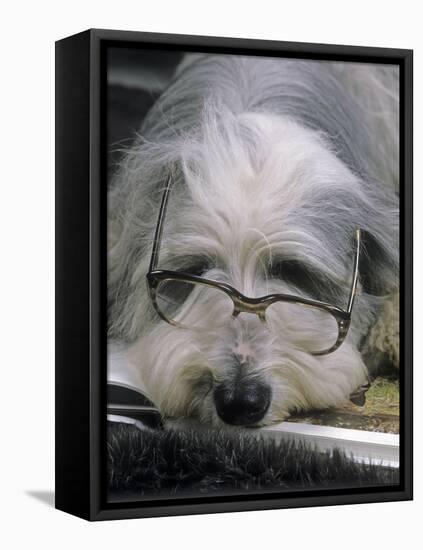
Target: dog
x,y
278,175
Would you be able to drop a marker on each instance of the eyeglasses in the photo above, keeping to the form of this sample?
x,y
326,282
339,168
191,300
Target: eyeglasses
x,y
181,298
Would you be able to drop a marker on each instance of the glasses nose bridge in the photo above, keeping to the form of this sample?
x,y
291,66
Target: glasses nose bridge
x,y
245,305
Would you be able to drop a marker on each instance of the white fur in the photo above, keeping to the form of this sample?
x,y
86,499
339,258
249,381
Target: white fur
x,y
272,159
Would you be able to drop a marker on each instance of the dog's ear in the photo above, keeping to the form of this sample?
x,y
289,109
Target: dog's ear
x,y
378,266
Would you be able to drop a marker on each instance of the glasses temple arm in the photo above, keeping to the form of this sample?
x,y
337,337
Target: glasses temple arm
x,y
355,276
159,227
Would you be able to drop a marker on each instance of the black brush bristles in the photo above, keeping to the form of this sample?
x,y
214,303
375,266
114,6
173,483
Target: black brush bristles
x,y
180,462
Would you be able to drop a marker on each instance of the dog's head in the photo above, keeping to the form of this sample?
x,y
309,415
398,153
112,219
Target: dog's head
x,y
264,207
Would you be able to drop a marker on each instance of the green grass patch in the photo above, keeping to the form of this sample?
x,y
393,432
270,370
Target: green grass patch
x,y
382,397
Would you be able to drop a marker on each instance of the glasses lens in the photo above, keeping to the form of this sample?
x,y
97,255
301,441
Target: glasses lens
x,y
193,305
306,327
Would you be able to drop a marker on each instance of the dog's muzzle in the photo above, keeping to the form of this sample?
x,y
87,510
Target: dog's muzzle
x,y
242,402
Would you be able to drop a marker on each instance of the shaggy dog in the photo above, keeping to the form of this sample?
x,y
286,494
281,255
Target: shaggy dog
x,y
274,164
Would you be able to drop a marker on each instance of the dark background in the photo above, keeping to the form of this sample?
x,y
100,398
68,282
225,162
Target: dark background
x,y
136,77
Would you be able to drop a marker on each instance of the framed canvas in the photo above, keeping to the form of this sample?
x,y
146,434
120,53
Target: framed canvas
x,y
233,274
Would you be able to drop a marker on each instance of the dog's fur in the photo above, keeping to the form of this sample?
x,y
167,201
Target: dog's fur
x,y
275,162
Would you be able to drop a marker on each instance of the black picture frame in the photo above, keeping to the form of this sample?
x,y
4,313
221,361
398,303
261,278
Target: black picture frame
x,y
81,169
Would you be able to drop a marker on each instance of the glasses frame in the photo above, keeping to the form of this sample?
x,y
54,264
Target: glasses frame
x,y
244,304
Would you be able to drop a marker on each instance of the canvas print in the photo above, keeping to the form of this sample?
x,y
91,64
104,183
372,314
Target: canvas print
x,y
253,274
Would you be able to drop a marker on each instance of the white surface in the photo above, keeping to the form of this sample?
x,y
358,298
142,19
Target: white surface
x,y
376,447
120,370
127,420
27,271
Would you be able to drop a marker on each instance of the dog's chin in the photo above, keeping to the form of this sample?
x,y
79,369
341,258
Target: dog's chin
x,y
208,417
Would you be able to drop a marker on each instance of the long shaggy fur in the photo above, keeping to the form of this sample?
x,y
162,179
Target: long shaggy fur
x,y
276,163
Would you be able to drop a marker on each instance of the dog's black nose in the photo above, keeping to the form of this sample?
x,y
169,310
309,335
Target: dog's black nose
x,y
243,403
